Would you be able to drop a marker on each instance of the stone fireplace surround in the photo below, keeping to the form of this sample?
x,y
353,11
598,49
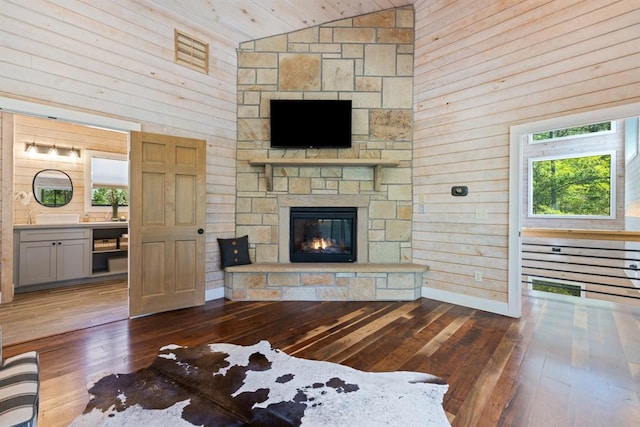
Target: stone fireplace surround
x,y
323,234
286,202
360,281
368,59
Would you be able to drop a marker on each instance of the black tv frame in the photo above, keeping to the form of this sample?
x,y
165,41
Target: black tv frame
x,y
311,123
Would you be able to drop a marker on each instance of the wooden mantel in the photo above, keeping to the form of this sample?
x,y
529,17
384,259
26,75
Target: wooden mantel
x,y
376,164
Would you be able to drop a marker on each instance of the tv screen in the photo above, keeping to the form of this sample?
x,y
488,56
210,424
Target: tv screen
x,y
310,123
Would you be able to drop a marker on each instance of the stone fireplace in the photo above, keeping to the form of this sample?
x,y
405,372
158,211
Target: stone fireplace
x,y
369,60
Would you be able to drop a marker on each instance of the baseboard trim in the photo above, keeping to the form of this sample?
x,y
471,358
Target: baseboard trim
x,y
467,301
211,294
436,294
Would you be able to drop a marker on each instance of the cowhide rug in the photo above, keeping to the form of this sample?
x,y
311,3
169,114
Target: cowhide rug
x,y
232,385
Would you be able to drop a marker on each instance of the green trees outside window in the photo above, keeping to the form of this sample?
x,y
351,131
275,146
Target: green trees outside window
x,y
577,186
108,196
585,130
556,288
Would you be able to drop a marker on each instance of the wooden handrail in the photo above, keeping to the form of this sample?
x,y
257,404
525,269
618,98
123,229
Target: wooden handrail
x,y
616,235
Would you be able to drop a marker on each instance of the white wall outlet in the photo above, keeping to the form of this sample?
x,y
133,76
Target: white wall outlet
x,y
481,213
421,209
478,276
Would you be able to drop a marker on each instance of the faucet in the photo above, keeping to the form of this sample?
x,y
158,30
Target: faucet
x,y
29,216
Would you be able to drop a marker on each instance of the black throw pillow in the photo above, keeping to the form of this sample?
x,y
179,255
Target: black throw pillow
x,y
234,251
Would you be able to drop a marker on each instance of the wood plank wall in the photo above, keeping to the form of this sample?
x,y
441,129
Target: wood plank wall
x,y
480,68
116,59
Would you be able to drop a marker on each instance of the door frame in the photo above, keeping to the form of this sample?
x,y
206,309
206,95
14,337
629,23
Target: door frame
x,y
27,108
516,136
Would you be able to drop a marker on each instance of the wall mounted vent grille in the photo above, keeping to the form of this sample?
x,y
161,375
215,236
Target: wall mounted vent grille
x,y
191,52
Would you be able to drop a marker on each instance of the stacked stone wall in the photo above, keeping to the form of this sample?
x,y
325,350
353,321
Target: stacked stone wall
x,y
367,59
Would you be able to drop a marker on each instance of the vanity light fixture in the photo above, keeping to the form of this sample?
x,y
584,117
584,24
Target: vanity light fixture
x,y
31,148
51,150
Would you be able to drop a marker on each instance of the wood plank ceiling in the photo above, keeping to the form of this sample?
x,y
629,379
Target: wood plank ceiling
x,y
254,19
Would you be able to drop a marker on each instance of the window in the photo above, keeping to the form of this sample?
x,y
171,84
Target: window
x,y
557,287
107,175
591,129
579,186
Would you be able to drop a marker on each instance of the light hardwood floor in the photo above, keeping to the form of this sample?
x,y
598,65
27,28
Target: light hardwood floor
x,y
38,314
566,362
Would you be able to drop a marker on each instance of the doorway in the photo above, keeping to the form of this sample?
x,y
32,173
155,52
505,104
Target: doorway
x,y
518,189
116,288
91,286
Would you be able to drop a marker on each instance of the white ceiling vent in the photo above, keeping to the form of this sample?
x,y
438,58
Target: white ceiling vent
x,y
191,52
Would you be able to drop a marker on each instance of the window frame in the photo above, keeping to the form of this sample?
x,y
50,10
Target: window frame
x,y
88,184
612,184
631,137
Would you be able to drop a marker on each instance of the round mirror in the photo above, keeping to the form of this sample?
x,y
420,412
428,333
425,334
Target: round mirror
x,y
52,188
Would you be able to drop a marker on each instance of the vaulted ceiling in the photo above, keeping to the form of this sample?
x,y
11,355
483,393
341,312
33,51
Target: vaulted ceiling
x,y
254,19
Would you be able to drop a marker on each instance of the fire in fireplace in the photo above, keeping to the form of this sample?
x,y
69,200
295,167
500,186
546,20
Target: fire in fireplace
x,y
323,234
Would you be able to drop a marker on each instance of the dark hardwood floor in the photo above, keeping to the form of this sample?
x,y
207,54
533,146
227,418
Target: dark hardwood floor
x,y
566,362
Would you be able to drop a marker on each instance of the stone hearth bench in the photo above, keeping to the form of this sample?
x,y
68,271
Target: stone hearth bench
x,y
324,282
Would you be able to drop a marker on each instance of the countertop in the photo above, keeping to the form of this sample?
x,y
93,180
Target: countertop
x,y
91,224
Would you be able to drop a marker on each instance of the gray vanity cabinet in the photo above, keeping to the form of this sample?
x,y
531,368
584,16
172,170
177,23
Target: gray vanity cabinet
x,y
50,255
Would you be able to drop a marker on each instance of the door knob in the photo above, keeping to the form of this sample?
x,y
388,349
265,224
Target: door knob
x,y
200,231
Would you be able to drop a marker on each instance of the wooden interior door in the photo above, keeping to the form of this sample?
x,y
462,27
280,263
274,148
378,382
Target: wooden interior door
x,y
167,216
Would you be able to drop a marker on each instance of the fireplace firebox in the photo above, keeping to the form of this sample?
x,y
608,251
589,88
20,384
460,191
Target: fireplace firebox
x,y
323,234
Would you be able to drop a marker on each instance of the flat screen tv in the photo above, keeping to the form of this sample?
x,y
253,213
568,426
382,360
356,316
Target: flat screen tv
x,y
310,123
